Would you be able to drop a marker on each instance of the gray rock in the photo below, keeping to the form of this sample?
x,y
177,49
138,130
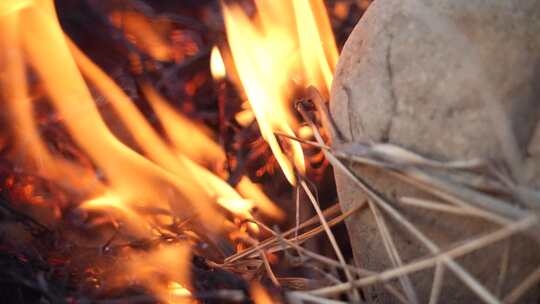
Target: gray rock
x,y
451,80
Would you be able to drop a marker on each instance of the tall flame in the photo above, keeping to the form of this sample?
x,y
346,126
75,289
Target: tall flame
x,y
131,176
176,172
288,45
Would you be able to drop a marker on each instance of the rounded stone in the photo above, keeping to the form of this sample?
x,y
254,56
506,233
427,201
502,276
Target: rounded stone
x,y
450,80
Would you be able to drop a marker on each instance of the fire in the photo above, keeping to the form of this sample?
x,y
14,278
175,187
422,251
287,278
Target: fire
x,y
288,45
178,290
139,29
133,177
7,7
164,270
136,177
217,66
260,295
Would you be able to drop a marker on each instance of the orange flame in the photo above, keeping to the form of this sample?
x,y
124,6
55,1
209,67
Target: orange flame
x,y
177,172
260,295
217,66
9,6
164,270
139,29
132,176
179,294
287,45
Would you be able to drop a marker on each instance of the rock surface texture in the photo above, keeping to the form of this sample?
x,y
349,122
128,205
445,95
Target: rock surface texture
x,y
450,80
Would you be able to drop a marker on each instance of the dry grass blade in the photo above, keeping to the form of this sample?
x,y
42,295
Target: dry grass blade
x,y
480,200
520,290
437,284
425,263
328,212
399,155
486,214
326,119
354,293
327,275
436,186
303,141
263,257
269,270
442,207
461,273
310,253
478,181
470,281
316,97
267,266
442,187
330,262
393,253
274,242
297,218
505,261
426,183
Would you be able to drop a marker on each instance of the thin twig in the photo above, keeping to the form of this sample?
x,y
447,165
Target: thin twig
x,y
503,270
329,261
392,251
456,252
331,237
523,287
328,212
311,254
441,207
437,284
461,273
262,254
269,270
444,189
470,281
297,201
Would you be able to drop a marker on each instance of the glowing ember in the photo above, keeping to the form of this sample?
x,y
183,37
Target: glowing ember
x,y
288,45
